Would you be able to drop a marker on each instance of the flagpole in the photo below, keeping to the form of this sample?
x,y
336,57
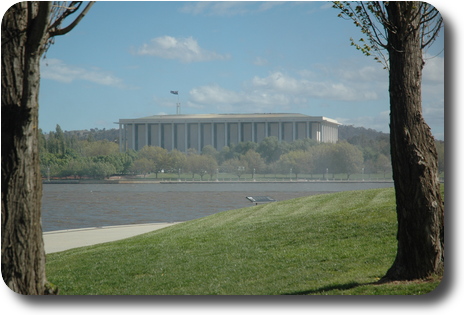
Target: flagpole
x,y
178,102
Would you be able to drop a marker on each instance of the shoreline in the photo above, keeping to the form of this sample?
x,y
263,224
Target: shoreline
x,y
114,182
61,240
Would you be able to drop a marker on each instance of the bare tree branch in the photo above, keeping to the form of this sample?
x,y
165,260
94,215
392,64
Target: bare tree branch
x,y
67,29
60,12
431,16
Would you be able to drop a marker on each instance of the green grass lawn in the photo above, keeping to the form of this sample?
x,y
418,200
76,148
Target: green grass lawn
x,y
339,243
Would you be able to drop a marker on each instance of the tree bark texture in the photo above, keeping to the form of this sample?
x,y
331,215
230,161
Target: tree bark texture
x,y
23,256
420,209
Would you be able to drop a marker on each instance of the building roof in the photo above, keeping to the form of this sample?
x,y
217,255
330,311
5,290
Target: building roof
x,y
227,116
238,117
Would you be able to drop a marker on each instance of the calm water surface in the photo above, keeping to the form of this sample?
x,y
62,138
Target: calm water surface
x,y
72,206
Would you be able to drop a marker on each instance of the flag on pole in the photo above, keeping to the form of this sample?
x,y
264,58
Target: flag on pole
x,y
175,92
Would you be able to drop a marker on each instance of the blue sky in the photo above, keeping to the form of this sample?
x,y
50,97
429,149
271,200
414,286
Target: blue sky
x,y
124,58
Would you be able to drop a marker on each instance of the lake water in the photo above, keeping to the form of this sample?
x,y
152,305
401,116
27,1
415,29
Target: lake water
x,y
72,206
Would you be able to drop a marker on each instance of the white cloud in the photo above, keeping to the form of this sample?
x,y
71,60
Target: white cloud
x,y
184,49
260,61
433,116
434,113
55,69
433,87
228,8
278,81
222,8
196,8
343,90
434,70
380,122
361,74
243,101
326,5
214,94
279,91
268,5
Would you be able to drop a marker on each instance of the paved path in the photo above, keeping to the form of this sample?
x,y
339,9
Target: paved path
x,y
57,241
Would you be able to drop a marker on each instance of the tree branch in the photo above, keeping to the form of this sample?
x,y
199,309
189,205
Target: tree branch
x,y
67,29
430,16
378,35
68,10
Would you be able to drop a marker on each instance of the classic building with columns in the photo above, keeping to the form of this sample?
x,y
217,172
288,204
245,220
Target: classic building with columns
x,y
182,132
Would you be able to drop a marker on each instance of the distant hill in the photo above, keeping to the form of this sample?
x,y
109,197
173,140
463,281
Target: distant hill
x,y
96,134
351,134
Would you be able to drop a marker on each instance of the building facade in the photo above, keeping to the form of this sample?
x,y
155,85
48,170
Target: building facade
x,y
183,132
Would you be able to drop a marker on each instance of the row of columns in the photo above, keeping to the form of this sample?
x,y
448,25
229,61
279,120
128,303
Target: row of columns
x,y
313,130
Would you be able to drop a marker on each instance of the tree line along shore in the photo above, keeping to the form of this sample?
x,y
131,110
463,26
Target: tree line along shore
x,y
361,154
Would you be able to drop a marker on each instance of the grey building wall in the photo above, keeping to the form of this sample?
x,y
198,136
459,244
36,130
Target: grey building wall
x,y
301,130
154,135
260,132
220,138
273,130
206,135
140,136
182,132
233,133
193,136
247,132
287,131
167,136
180,142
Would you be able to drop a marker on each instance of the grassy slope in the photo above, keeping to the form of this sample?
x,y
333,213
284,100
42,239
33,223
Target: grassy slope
x,y
326,244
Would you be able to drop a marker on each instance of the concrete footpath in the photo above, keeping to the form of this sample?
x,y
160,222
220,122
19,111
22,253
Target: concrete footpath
x,y
57,241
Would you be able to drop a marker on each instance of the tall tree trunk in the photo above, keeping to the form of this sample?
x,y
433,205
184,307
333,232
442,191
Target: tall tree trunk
x,y
23,257
420,209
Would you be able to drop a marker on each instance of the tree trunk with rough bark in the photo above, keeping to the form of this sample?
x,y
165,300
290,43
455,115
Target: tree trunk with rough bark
x,y
23,257
26,31
420,209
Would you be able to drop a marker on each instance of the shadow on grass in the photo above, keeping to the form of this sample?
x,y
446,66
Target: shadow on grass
x,y
340,287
